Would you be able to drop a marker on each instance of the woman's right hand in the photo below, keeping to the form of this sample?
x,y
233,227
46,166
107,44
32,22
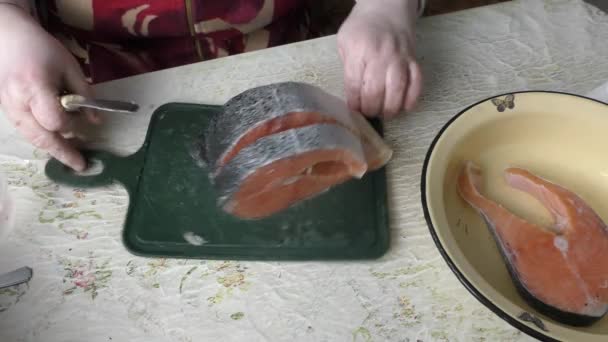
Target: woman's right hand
x,y
34,69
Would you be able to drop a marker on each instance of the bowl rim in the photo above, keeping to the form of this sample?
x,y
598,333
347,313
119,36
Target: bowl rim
x,y
427,216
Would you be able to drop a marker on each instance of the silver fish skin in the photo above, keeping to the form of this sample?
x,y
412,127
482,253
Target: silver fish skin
x,y
286,144
256,106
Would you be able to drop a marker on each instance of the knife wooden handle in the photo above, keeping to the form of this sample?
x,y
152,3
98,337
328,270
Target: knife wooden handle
x,y
73,102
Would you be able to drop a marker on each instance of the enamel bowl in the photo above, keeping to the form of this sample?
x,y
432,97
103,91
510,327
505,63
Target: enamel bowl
x,y
558,136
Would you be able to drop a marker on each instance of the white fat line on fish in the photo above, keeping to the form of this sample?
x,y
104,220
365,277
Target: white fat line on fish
x,y
291,180
591,301
562,244
560,223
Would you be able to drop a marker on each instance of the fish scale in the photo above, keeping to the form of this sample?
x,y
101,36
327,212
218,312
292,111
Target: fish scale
x,y
290,143
286,125
257,106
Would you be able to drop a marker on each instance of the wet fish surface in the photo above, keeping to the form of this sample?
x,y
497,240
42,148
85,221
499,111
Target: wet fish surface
x,y
307,139
561,270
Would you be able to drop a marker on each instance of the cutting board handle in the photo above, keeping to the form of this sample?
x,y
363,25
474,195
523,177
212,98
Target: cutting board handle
x,y
113,168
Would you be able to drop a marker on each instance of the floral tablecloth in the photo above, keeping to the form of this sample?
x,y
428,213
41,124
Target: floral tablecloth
x,y
87,287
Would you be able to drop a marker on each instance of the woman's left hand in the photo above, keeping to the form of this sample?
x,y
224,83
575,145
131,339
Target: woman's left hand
x,y
376,45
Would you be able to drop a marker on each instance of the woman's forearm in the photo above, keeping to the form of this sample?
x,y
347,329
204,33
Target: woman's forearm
x,y
25,4
29,6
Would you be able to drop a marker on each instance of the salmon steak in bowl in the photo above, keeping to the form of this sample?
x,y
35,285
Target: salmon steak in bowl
x,y
514,190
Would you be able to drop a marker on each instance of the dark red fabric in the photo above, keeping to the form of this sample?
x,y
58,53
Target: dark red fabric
x,y
129,37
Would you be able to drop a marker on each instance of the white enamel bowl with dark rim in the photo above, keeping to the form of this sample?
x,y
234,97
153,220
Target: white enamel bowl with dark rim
x,y
558,136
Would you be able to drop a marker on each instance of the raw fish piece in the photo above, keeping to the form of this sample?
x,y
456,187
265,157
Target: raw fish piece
x,y
277,107
285,168
562,271
273,146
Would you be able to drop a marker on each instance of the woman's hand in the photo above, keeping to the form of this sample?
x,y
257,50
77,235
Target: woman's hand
x,y
34,69
376,45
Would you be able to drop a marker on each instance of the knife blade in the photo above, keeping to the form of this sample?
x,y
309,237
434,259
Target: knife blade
x,y
16,277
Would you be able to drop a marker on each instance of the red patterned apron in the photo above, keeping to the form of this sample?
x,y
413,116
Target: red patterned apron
x,y
114,39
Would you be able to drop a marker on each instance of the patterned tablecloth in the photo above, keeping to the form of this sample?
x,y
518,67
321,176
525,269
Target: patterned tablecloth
x,y
87,287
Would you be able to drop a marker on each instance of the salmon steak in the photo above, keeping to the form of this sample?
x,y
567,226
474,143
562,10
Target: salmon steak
x,y
561,270
273,146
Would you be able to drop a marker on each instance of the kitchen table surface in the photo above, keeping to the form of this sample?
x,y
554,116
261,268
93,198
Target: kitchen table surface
x,y
87,287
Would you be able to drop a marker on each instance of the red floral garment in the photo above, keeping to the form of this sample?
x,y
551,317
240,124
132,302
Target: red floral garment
x,y
114,39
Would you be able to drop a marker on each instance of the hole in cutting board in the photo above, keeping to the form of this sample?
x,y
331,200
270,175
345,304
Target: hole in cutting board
x,y
94,168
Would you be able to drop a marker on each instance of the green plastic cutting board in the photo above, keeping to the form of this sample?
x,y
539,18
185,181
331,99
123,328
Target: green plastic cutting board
x,y
171,197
